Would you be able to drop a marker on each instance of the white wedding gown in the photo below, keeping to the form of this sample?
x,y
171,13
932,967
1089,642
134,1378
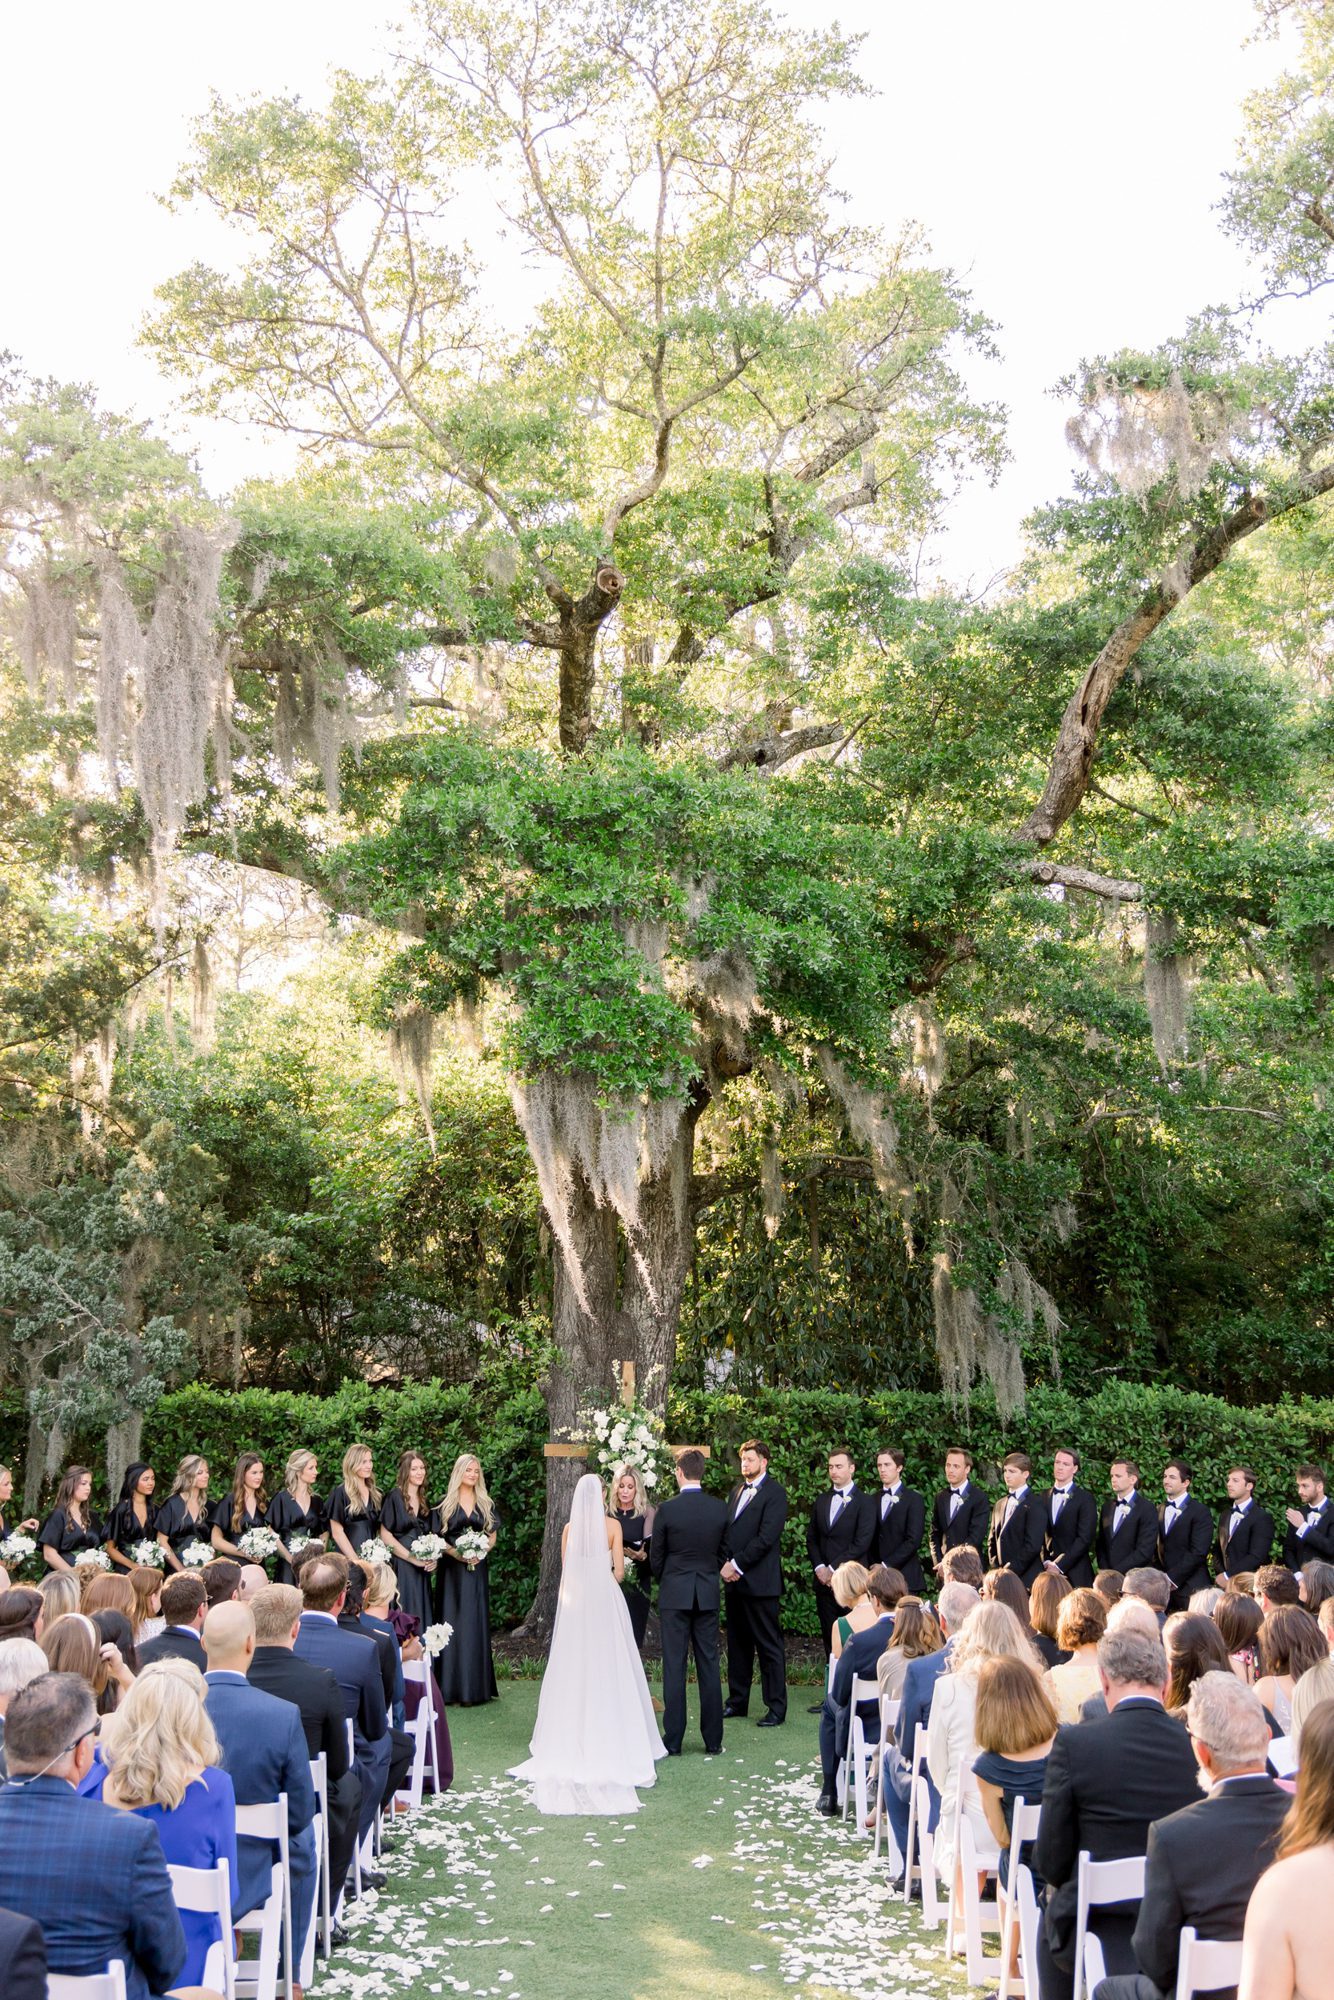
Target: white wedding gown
x,y
596,1738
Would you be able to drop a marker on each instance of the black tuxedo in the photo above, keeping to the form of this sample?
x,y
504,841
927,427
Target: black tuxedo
x,y
1017,1543
1068,1540
897,1541
755,1544
1317,1544
845,1539
1250,1547
316,1696
1106,1782
174,1642
969,1524
1134,1545
1203,1862
1183,1551
686,1554
22,1958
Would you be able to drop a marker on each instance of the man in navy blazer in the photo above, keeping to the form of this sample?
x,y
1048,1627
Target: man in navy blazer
x,y
22,1958
264,1753
354,1661
955,1603
858,1660
93,1878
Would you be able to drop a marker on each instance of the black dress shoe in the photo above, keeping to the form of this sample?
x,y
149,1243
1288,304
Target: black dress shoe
x,y
816,1708
827,1804
338,1936
771,1721
671,1752
713,1749
371,1878
730,1713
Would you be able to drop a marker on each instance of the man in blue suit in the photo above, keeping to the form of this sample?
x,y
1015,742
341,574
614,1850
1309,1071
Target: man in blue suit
x,y
354,1662
857,1661
92,1877
955,1603
264,1753
22,1958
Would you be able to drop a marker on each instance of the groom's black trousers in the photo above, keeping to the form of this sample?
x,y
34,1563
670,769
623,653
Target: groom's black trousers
x,y
683,1632
752,1627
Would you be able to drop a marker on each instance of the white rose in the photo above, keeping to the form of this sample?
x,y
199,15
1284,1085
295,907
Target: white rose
x,y
650,1478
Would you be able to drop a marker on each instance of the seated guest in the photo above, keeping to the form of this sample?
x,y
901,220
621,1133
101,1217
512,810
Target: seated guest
x,y
857,1661
254,1578
222,1582
379,1595
113,1630
21,1613
353,1618
1109,1584
1194,1646
1204,1861
1081,1621
955,1605
93,1878
1315,1582
1290,1642
992,1633
1243,1583
22,1958
1005,1586
354,1662
1316,1685
21,1661
1104,1787
916,1634
158,1757
1014,1725
1276,1588
1239,1620
314,1693
962,1565
1127,1612
1289,1936
1152,1586
1206,1602
856,1610
184,1602
264,1753
1045,1599
74,1645
146,1619
59,1591
109,1593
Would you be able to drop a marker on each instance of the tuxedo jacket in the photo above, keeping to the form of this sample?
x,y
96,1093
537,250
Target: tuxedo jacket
x,y
22,1958
686,1551
1202,1865
314,1694
263,1753
970,1524
1134,1545
848,1539
897,1538
1316,1543
1250,1547
1017,1543
174,1642
755,1537
1068,1541
354,1661
1183,1551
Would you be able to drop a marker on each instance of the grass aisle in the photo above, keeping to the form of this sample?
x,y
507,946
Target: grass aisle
x,y
725,1884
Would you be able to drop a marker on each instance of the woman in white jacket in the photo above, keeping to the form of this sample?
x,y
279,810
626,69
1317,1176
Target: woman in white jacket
x,y
992,1632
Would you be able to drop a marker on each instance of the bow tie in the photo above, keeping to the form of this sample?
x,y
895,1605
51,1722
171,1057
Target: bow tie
x,y
1060,1491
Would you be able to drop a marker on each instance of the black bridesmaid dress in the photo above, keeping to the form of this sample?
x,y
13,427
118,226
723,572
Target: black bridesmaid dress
x,y
287,1519
467,1671
416,1589
358,1528
223,1515
638,1577
66,1537
176,1523
125,1529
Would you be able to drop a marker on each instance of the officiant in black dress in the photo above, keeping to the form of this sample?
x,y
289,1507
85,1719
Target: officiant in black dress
x,y
627,1502
467,1671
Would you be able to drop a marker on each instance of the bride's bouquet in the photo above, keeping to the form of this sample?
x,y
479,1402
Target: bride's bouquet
x,y
195,1555
16,1550
435,1638
473,1545
148,1555
429,1548
260,1544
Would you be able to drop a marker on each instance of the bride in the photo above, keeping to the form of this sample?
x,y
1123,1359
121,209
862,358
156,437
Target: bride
x,y
596,1738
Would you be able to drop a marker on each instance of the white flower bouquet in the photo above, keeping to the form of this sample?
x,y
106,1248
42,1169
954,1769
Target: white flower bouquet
x,y
435,1638
16,1550
92,1559
195,1554
627,1437
473,1545
298,1542
148,1555
428,1548
260,1544
373,1550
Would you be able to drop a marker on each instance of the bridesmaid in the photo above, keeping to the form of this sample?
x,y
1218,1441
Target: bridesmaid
x,y
627,1502
354,1507
406,1514
184,1519
134,1517
7,1527
71,1526
297,1510
244,1508
467,1672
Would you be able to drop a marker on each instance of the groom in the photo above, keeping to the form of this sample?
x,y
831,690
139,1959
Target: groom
x,y
686,1548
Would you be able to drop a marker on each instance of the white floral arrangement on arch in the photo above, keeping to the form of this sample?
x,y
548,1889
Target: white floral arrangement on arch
x,y
435,1638
195,1555
429,1548
16,1550
148,1555
92,1559
260,1544
626,1435
473,1545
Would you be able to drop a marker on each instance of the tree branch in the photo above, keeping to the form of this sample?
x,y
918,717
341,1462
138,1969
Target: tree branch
x,y
772,751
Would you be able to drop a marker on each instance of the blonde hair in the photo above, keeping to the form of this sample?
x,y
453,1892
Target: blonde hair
x,y
992,1632
292,1475
60,1594
159,1737
451,1499
848,1583
381,1582
1315,1686
187,1472
620,1472
363,1493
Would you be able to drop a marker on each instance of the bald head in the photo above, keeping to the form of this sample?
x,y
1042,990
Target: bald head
x,y
229,1637
253,1580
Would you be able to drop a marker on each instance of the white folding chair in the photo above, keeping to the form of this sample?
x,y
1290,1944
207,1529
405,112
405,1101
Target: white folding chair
x,y
852,1777
1282,1756
970,1915
889,1715
921,1840
208,1892
321,1914
108,1985
1102,1882
423,1727
1203,1965
356,1851
1026,1896
273,1918
1024,1822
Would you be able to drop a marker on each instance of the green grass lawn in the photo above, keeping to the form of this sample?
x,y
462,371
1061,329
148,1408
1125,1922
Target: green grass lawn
x,y
725,1884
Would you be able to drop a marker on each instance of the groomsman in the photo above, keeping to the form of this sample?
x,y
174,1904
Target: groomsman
x,y
1071,1515
900,1521
1245,1530
686,1554
1311,1526
961,1512
753,1580
1128,1530
1017,1522
1185,1534
839,1530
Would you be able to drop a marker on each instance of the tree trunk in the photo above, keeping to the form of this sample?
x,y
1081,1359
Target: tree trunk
x,y
124,1441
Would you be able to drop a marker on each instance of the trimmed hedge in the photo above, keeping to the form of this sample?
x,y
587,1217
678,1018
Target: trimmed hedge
x,y
501,1416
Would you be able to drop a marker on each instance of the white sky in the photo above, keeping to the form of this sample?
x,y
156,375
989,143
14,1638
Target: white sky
x,y
1064,154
